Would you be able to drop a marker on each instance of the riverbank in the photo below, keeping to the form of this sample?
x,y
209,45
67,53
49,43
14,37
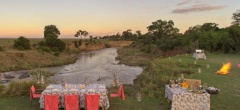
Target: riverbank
x,y
158,71
13,60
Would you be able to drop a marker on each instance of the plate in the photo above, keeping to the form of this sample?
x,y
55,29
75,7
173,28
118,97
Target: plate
x,y
49,87
55,90
102,87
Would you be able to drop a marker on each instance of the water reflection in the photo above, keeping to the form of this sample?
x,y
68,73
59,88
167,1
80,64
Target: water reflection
x,y
97,64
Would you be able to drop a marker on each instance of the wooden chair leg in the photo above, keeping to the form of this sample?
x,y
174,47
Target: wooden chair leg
x,y
168,100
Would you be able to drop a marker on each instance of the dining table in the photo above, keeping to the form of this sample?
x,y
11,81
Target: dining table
x,y
78,89
183,99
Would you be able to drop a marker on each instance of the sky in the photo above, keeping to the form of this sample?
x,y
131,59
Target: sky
x,y
107,17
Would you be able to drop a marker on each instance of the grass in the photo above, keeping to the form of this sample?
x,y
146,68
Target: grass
x,y
23,103
25,60
162,69
229,96
227,99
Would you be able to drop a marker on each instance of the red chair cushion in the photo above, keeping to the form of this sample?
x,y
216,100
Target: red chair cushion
x,y
120,93
50,102
114,95
36,95
91,101
71,102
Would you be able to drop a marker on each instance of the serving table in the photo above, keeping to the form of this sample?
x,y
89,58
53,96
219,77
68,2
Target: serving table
x,y
80,90
182,99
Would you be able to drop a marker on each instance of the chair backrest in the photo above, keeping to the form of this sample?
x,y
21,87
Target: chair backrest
x,y
50,102
71,102
91,101
193,82
120,90
32,90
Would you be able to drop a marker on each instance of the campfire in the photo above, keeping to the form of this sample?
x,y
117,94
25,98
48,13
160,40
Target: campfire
x,y
224,69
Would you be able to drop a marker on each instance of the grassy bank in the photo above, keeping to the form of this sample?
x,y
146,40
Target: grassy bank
x,y
158,71
12,59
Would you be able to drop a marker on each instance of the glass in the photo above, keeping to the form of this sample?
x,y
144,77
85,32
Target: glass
x,y
42,79
200,87
86,81
138,96
63,82
113,83
205,86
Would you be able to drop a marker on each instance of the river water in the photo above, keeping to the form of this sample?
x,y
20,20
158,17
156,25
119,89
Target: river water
x,y
94,65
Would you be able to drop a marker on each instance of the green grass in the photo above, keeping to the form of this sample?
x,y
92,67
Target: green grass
x,y
23,103
159,70
18,103
229,96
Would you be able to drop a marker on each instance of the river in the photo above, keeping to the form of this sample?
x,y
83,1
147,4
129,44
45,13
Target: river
x,y
97,64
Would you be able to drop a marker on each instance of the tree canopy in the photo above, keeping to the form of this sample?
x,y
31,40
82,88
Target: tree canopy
x,y
236,18
51,29
22,43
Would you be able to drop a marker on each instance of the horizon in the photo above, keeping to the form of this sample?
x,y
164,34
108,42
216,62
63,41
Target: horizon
x,y
28,18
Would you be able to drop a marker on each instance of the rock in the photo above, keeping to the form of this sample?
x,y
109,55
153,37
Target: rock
x,y
8,76
24,75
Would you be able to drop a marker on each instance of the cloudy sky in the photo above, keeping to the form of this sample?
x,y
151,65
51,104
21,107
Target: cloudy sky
x,y
103,17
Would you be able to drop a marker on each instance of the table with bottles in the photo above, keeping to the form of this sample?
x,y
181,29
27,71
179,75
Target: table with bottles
x,y
182,99
80,90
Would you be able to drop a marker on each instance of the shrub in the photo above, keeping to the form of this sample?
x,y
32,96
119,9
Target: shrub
x,y
42,43
1,49
57,54
54,43
19,88
44,49
36,72
22,43
107,45
76,45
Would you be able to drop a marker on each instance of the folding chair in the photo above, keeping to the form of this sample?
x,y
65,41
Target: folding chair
x,y
71,102
51,102
91,102
119,95
33,94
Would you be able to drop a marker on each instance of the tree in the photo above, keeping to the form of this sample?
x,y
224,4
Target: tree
x,y
162,28
234,34
139,34
22,43
127,34
51,29
209,27
236,18
81,33
192,36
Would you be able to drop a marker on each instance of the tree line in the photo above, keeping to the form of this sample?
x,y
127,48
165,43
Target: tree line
x,y
161,35
164,36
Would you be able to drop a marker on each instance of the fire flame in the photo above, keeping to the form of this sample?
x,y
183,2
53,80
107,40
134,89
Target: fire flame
x,y
224,69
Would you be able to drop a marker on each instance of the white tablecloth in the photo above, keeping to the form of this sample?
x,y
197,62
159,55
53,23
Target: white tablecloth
x,y
184,100
75,89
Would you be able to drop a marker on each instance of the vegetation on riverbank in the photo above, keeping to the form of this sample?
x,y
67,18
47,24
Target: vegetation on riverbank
x,y
158,71
29,59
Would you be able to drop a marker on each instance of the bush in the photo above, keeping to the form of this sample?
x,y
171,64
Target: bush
x,y
54,43
42,43
57,54
1,49
44,49
76,45
107,45
18,88
22,43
